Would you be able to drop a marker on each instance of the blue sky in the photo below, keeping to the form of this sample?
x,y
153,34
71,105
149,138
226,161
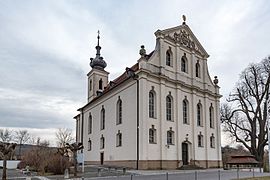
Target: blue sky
x,y
45,48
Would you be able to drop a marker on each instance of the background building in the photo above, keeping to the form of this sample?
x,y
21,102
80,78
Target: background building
x,y
162,113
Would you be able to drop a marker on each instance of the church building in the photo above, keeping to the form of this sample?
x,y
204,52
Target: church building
x,y
161,113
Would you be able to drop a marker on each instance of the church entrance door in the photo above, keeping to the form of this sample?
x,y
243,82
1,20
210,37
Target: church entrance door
x,y
185,153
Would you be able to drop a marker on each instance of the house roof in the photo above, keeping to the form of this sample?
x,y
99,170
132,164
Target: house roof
x,y
242,159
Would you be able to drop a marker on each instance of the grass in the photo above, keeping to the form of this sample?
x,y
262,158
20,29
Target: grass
x,y
257,178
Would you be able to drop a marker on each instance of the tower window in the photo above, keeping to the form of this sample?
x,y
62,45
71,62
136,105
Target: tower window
x,y
211,116
100,84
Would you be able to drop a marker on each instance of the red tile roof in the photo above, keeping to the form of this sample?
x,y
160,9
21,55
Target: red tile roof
x,y
244,159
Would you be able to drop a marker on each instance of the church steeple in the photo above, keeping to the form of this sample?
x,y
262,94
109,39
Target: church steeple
x,y
98,62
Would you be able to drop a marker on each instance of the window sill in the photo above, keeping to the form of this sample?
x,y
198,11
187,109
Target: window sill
x,y
152,143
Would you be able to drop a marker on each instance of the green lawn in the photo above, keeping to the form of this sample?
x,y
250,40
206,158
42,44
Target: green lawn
x,y
257,178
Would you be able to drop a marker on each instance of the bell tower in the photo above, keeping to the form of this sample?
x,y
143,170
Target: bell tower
x,y
97,77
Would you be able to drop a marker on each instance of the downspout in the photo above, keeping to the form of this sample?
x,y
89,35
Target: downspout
x,y
138,135
82,130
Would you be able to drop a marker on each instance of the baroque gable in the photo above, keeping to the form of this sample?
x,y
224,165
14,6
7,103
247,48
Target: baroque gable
x,y
183,36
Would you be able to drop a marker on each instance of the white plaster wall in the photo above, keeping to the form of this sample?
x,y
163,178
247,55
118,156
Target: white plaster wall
x,y
127,151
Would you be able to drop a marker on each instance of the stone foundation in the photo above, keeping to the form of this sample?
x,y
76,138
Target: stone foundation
x,y
157,164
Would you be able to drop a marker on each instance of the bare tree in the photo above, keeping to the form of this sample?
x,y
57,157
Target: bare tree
x,y
21,137
244,116
5,135
5,150
63,136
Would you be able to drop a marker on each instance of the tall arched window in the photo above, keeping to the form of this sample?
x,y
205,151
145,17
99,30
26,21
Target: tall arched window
x,y
102,142
198,71
212,141
185,111
119,111
90,124
199,115
169,108
152,102
100,84
169,57
211,116
102,119
184,63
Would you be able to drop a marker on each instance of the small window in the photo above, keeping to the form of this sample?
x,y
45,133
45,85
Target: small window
x,y
102,119
200,140
169,57
198,69
90,85
169,110
184,63
119,111
212,141
152,102
170,137
89,145
90,124
199,114
100,84
211,116
152,135
118,139
102,142
185,112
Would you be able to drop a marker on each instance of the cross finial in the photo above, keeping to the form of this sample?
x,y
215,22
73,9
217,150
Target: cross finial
x,y
184,19
98,37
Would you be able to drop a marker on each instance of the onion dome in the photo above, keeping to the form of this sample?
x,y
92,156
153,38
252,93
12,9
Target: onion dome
x,y
98,62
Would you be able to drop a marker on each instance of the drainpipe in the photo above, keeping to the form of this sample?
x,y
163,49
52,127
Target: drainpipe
x,y
82,131
138,152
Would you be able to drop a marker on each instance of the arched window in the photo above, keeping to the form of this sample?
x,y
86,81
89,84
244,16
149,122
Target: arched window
x,y
89,145
169,110
90,124
90,85
170,137
212,141
118,139
152,135
119,111
152,102
102,118
100,84
211,116
199,114
200,140
184,63
198,71
102,142
169,57
185,112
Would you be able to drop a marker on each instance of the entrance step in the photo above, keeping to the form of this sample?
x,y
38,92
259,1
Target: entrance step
x,y
190,167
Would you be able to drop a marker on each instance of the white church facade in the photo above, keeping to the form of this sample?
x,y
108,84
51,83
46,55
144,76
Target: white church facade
x,y
161,113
